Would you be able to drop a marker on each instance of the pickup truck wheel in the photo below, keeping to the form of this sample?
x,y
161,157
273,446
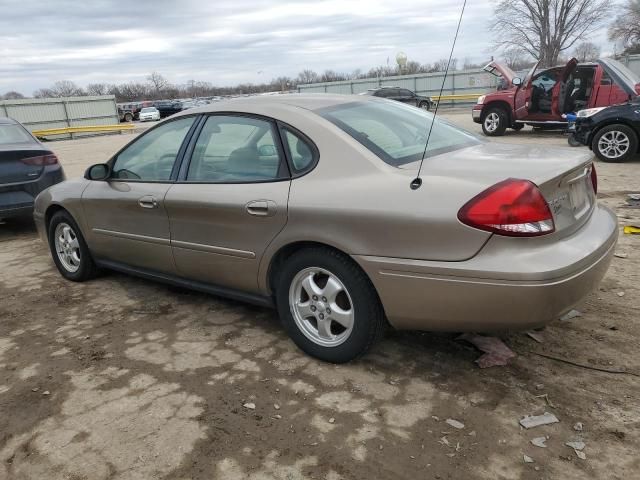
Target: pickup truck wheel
x,y
494,122
615,143
128,117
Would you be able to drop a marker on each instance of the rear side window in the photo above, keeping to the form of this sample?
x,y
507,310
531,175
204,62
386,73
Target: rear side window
x,y
301,152
12,133
236,149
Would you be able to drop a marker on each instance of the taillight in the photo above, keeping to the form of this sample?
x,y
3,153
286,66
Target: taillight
x,y
41,160
512,207
594,178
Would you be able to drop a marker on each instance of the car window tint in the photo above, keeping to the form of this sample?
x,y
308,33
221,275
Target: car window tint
x,y
234,149
151,158
301,151
12,133
397,132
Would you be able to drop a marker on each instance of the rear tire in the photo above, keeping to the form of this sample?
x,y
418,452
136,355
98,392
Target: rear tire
x,y
615,143
494,122
328,305
128,117
69,250
425,106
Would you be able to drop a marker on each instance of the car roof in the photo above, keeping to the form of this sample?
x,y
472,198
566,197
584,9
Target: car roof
x,y
8,121
308,101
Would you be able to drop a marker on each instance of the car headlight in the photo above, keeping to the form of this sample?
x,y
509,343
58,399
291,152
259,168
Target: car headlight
x,y
589,112
481,99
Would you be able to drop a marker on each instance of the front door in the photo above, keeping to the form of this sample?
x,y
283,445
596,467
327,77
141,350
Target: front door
x,y
523,95
126,216
230,202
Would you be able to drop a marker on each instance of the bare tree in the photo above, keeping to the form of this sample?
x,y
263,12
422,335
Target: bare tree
x,y
158,82
587,51
626,27
63,88
98,89
307,76
545,28
12,95
440,65
516,58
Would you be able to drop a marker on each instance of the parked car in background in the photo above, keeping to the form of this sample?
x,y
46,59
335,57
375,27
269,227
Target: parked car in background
x,y
252,199
125,115
168,107
401,95
26,168
149,114
542,97
613,133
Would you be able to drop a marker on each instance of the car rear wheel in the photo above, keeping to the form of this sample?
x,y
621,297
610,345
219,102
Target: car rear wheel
x,y
328,305
128,117
615,143
494,122
425,105
69,249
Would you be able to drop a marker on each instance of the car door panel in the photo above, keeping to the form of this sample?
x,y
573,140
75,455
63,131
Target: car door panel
x,y
220,231
125,226
523,95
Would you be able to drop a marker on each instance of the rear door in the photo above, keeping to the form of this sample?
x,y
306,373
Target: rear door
x,y
523,95
126,215
230,202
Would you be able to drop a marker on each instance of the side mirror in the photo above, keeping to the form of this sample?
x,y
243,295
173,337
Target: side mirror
x,y
98,172
517,81
267,151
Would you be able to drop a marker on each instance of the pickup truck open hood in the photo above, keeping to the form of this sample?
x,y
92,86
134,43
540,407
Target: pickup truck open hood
x,y
500,70
625,78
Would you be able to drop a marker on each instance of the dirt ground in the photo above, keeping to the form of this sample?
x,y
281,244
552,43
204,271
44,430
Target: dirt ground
x,y
121,378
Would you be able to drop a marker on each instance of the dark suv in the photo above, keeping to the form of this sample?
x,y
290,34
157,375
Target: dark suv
x,y
401,95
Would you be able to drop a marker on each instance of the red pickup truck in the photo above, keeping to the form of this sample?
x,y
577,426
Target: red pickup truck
x,y
542,97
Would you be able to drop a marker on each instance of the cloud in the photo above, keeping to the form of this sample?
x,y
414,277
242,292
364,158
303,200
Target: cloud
x,y
224,41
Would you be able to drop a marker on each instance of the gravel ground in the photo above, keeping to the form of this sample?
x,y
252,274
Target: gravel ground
x,y
121,378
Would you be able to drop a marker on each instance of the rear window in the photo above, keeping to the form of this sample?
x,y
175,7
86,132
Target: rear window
x,y
14,134
395,132
147,110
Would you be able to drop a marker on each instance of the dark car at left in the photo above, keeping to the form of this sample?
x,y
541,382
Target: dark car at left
x,y
26,168
402,95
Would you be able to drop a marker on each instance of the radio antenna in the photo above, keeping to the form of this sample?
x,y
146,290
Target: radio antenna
x,y
416,183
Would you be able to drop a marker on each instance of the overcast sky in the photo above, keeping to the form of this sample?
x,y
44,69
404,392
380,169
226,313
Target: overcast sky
x,y
225,41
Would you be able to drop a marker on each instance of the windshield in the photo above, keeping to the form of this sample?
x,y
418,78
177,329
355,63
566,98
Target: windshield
x,y
10,134
395,132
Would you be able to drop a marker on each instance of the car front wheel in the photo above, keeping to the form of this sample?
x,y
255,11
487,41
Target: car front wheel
x,y
69,249
615,143
425,105
494,123
328,305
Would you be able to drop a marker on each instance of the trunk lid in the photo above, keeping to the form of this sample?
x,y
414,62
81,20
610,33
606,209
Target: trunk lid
x,y
13,169
563,175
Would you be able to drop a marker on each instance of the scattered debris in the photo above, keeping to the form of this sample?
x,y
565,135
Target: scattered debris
x,y
578,427
35,389
527,459
332,420
276,406
277,417
546,397
46,393
576,445
539,386
620,255
445,441
621,371
250,406
538,420
571,314
437,419
472,433
540,442
620,294
581,455
535,335
454,423
496,353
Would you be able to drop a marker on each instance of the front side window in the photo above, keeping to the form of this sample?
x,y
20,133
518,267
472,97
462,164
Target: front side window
x,y
236,149
396,132
151,158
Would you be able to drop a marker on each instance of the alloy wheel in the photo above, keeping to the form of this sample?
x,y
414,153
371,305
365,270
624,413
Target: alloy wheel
x,y
614,144
67,247
491,122
321,306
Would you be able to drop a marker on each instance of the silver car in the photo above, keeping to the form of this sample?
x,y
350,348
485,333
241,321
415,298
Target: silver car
x,y
303,202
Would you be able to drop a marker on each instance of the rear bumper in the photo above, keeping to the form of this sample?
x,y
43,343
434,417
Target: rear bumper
x,y
17,200
476,113
511,284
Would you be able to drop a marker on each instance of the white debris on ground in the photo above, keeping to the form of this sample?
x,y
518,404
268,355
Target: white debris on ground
x,y
249,405
578,427
454,423
576,444
527,459
538,420
540,442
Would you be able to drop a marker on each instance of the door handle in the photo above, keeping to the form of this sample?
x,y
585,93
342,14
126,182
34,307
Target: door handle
x,y
261,208
148,202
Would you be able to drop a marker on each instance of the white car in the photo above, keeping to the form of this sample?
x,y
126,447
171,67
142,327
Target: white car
x,y
149,113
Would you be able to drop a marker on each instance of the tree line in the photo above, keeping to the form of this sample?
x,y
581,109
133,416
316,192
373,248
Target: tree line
x,y
525,30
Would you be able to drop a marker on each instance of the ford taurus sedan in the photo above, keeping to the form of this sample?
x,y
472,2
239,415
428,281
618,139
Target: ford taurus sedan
x,y
304,202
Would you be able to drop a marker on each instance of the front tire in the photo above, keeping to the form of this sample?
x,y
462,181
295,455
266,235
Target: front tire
x,y
615,143
69,249
328,305
425,106
494,122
